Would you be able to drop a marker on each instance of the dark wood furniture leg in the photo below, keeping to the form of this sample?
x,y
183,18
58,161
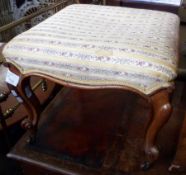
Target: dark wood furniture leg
x,y
161,110
26,96
33,106
3,97
179,162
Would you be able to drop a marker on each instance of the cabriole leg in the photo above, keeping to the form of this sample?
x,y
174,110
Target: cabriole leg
x,y
161,110
25,95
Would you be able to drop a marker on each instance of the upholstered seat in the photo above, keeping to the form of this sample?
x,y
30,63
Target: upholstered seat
x,y
3,72
3,85
91,46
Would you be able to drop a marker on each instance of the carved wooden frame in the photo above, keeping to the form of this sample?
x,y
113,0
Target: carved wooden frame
x,y
158,100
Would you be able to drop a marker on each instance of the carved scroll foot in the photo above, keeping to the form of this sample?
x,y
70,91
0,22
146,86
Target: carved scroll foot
x,y
161,110
27,124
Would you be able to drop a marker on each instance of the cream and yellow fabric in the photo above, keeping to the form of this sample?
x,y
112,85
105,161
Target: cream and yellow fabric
x,y
3,85
3,72
93,45
1,56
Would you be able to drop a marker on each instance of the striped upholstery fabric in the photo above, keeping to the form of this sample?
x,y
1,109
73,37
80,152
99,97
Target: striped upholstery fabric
x,y
92,45
3,85
1,56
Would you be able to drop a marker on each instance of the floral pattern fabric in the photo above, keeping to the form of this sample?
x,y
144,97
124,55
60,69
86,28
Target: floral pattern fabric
x,y
94,45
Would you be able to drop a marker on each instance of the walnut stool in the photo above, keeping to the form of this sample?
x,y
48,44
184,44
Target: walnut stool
x,y
100,47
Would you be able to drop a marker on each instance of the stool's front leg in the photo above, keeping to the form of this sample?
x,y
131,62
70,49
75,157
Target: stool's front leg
x,y
161,110
25,95
32,104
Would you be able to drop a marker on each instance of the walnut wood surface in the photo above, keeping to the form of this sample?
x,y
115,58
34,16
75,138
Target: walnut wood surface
x,y
161,110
